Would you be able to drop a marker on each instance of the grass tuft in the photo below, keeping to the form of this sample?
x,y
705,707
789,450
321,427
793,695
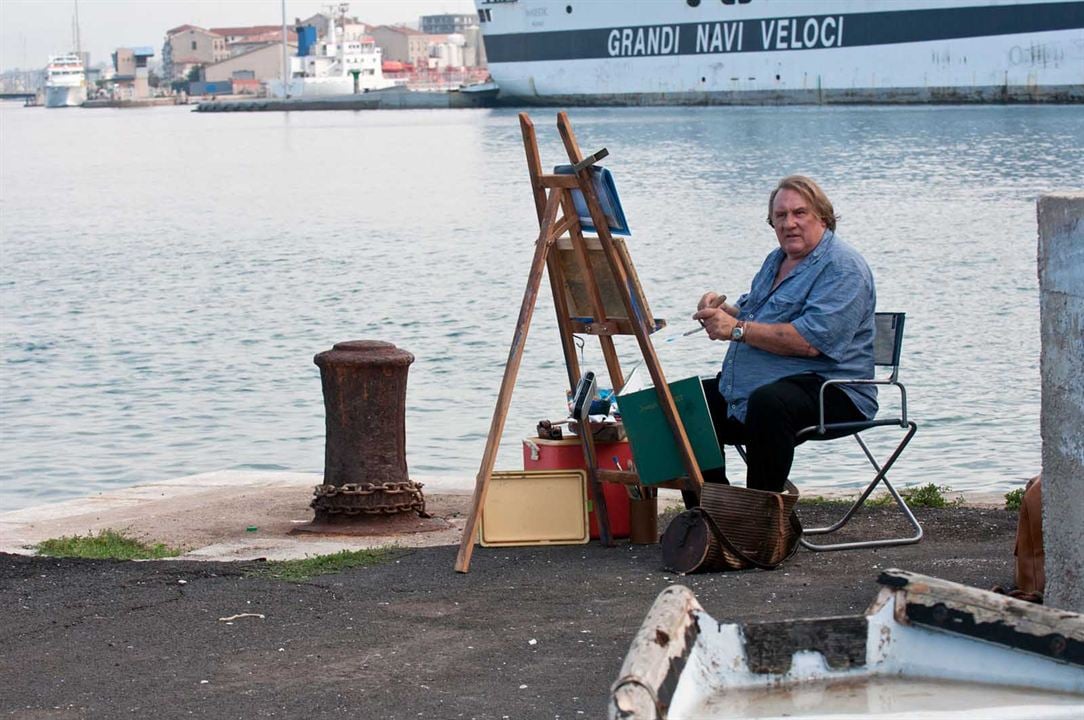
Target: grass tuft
x,y
931,496
310,567
106,545
928,495
1013,499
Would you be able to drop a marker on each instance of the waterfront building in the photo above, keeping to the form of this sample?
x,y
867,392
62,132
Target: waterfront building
x,y
242,40
188,46
249,70
402,44
131,74
465,25
19,80
447,24
447,51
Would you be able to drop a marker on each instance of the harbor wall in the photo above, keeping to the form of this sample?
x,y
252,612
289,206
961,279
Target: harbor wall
x,y
948,95
1061,309
389,99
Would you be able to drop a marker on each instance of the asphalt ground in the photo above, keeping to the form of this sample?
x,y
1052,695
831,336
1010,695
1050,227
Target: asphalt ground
x,y
528,633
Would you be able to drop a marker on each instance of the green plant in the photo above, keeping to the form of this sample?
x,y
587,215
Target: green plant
x,y
931,496
1013,499
668,513
879,500
106,545
305,568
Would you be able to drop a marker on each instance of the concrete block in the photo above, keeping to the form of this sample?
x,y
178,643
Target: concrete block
x,y
1061,312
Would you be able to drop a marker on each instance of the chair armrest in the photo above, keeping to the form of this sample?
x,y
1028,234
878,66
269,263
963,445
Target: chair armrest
x,y
821,426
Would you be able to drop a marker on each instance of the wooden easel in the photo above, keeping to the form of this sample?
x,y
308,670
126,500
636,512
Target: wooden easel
x,y
593,274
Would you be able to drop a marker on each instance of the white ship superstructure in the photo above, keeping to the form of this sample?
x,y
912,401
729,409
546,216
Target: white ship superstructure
x,y
622,52
339,65
65,81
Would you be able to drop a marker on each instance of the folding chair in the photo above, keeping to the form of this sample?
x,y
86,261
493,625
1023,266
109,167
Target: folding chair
x,y
887,343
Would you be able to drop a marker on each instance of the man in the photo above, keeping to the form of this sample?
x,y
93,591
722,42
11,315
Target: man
x,y
807,317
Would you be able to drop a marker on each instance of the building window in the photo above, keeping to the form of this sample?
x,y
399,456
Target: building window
x,y
193,44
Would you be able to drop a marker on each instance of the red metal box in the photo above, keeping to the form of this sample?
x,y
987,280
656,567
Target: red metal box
x,y
567,454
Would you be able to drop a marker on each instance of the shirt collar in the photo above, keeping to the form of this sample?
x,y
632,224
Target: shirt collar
x,y
813,257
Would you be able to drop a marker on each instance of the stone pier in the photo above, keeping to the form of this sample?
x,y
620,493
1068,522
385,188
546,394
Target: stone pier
x,y
1061,309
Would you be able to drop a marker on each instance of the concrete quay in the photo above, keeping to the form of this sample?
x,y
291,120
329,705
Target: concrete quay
x,y
210,515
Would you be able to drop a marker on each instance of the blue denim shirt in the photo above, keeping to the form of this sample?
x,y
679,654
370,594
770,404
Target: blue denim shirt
x,y
830,299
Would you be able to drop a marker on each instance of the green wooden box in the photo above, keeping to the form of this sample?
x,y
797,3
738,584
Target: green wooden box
x,y
652,442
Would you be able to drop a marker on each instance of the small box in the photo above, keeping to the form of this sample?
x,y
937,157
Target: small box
x,y
535,508
567,454
653,446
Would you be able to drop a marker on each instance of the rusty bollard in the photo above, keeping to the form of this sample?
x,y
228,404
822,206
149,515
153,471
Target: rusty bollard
x,y
365,470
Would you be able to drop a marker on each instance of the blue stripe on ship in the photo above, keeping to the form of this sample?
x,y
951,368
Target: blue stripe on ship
x,y
860,29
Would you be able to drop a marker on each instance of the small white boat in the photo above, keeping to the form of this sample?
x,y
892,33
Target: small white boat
x,y
926,649
65,81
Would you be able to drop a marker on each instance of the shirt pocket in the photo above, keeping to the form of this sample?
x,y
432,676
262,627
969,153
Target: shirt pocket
x,y
782,307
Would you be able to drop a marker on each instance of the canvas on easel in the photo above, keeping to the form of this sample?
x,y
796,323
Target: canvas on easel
x,y
595,292
608,199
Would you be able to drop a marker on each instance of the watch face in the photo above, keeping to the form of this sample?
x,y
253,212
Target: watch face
x,y
737,333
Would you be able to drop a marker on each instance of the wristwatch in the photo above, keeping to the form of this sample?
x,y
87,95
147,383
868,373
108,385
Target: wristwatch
x,y
738,333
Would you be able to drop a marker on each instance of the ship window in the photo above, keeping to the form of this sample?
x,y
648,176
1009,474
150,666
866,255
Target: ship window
x,y
568,9
692,3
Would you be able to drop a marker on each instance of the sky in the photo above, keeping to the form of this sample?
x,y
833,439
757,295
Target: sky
x,y
32,30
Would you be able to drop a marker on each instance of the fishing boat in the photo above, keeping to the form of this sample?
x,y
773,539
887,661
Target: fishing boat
x,y
926,649
709,52
65,81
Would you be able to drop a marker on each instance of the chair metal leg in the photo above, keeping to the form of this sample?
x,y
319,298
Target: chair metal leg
x,y
880,478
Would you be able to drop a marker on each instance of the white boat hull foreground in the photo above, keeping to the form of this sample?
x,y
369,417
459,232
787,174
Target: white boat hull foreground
x,y
57,97
617,52
926,649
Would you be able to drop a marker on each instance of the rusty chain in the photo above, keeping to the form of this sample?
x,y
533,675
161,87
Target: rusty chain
x,y
364,498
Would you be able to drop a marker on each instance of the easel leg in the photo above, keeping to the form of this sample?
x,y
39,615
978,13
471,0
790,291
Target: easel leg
x,y
602,515
511,370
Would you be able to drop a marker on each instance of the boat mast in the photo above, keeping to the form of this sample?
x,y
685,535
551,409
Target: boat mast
x,y
78,43
285,56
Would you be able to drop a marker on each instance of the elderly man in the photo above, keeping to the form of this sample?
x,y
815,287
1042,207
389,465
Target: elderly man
x,y
807,317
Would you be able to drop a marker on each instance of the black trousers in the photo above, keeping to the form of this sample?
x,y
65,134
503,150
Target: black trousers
x,y
774,415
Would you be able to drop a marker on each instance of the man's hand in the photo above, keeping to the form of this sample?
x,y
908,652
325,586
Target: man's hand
x,y
710,299
716,321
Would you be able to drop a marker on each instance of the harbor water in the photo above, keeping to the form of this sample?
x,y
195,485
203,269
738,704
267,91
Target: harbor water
x,y
166,277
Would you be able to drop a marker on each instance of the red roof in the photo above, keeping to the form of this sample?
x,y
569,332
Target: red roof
x,y
250,30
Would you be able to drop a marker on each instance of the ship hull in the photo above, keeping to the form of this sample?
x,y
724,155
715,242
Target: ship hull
x,y
323,87
64,96
775,52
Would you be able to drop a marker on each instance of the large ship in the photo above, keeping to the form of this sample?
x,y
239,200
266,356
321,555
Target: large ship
x,y
342,63
65,81
719,52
